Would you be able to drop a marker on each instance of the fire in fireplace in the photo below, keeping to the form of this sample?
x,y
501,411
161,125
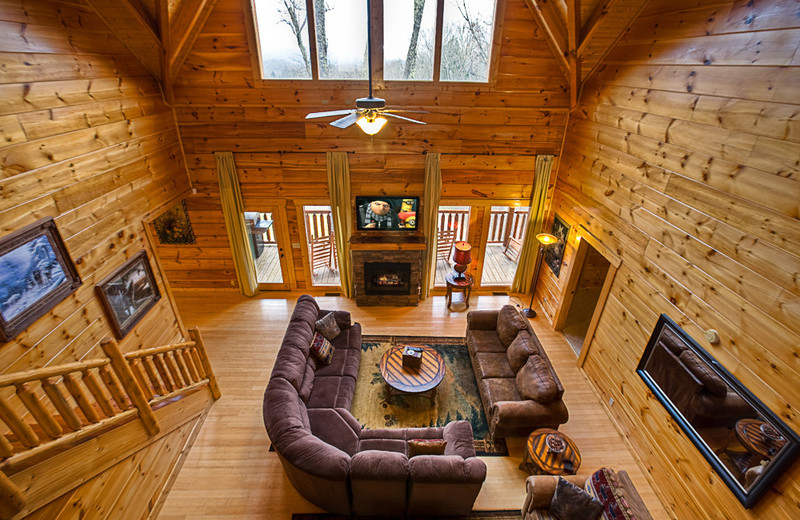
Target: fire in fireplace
x,y
386,277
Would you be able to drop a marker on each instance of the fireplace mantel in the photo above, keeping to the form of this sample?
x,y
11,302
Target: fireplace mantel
x,y
387,249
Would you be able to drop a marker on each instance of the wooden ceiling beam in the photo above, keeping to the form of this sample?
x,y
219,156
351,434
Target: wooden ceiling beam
x,y
593,23
129,22
573,58
548,19
188,21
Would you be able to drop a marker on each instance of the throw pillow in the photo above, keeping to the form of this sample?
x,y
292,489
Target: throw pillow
x,y
713,383
534,381
603,486
322,348
426,447
520,350
328,327
509,323
572,503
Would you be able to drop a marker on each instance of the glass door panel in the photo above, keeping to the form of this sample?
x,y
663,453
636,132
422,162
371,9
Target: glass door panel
x,y
503,244
263,231
321,243
453,227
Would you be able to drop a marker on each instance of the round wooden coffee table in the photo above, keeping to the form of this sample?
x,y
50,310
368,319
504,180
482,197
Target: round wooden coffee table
x,y
418,381
538,458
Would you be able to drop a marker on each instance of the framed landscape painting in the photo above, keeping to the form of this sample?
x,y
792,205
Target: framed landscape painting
x,y
36,273
129,293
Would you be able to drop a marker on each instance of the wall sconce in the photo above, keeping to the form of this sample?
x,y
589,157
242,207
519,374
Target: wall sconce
x,y
462,257
545,239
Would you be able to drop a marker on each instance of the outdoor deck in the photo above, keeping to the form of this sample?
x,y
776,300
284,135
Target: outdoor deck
x,y
268,268
497,268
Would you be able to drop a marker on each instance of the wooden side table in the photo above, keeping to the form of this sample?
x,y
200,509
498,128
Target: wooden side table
x,y
458,284
538,459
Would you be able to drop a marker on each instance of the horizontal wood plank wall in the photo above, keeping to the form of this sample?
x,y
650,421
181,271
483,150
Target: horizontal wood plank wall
x,y
87,140
684,160
488,135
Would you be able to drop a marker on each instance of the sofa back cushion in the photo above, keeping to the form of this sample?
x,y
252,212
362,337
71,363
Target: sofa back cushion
x,y
509,323
523,346
285,414
534,381
712,382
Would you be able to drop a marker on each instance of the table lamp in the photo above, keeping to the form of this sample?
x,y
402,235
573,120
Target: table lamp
x,y
462,257
545,239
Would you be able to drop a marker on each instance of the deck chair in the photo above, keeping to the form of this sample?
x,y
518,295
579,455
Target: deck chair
x,y
444,244
322,254
513,249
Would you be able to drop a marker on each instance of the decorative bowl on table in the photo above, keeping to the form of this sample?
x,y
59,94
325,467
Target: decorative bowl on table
x,y
770,432
555,444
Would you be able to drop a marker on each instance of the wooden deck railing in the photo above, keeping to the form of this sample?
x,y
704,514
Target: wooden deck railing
x,y
455,220
507,223
47,410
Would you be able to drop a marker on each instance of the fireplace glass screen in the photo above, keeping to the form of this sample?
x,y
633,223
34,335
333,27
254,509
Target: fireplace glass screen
x,y
387,278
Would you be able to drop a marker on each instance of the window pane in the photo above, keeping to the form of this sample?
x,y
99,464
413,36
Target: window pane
x,y
467,40
453,226
409,32
507,226
341,27
283,38
321,241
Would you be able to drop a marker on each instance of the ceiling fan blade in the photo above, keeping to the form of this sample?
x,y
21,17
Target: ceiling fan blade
x,y
405,119
346,120
394,111
314,115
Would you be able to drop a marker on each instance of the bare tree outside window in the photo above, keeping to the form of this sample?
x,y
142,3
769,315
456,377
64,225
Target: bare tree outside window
x,y
465,41
320,8
293,14
411,57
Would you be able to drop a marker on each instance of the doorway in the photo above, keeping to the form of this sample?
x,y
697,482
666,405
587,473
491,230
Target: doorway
x,y
591,274
321,246
265,233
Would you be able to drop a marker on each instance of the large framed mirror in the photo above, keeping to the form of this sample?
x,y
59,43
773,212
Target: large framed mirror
x,y
743,440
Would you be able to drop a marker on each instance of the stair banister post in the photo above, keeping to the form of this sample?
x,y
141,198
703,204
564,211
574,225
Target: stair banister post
x,y
126,377
194,333
12,498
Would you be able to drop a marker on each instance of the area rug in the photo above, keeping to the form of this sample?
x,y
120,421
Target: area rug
x,y
475,515
457,396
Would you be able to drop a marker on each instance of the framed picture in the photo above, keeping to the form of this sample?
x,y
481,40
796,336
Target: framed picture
x,y
129,293
554,253
36,273
173,227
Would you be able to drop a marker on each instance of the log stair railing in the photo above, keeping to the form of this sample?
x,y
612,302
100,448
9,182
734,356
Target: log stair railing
x,y
51,409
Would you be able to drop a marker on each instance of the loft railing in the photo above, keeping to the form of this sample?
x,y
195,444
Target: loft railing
x,y
50,409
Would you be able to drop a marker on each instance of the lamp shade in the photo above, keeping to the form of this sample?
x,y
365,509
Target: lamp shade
x,y
546,238
371,126
463,253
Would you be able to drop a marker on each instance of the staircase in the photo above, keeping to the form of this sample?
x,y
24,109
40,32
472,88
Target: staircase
x,y
65,424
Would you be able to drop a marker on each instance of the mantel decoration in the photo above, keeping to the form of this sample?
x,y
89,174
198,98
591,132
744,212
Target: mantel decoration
x,y
555,253
128,293
173,227
747,444
36,273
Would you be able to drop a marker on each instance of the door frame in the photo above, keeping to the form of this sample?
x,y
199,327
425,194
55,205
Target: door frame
x,y
281,227
301,228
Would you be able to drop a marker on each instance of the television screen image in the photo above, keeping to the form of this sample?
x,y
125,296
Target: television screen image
x,y
386,213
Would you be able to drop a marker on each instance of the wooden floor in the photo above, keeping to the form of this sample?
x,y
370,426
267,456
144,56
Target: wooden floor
x,y
229,474
498,270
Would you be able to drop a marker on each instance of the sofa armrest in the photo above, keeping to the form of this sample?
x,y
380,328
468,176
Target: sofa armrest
x,y
446,469
342,318
482,320
379,465
526,415
540,489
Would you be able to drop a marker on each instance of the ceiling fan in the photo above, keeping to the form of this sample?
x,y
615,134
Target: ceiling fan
x,y
369,110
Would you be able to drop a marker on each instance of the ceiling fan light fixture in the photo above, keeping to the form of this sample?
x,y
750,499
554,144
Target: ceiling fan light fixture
x,y
371,125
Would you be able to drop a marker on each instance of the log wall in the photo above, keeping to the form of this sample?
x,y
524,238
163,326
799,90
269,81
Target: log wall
x,y
87,140
488,135
684,160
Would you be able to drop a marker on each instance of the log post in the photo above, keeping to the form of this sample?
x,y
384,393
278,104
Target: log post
x,y
194,333
12,499
128,381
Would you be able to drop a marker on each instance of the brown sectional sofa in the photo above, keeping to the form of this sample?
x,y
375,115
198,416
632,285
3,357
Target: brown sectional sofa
x,y
335,464
519,388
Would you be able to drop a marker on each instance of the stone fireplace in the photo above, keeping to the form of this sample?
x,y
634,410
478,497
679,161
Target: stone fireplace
x,y
387,273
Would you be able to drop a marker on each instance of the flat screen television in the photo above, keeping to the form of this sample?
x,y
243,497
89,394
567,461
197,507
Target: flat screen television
x,y
381,213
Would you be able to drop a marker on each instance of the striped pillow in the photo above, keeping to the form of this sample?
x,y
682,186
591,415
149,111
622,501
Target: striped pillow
x,y
602,485
322,348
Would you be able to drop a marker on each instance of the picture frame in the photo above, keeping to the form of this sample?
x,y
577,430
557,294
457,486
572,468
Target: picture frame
x,y
554,253
36,273
128,294
173,226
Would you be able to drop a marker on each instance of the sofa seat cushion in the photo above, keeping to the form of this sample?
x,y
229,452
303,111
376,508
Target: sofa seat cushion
x,y
344,363
523,346
379,465
336,426
493,364
446,468
332,392
499,389
509,323
484,341
385,440
534,381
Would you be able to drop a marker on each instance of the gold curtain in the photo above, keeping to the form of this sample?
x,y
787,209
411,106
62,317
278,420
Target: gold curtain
x,y
432,193
342,213
530,246
233,210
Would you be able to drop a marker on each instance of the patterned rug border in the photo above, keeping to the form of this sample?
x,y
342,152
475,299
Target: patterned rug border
x,y
446,340
509,514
